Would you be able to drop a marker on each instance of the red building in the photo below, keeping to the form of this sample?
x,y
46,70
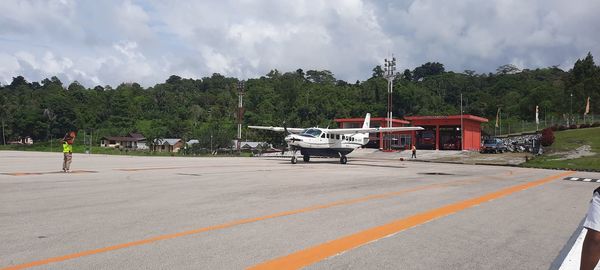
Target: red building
x,y
396,139
440,132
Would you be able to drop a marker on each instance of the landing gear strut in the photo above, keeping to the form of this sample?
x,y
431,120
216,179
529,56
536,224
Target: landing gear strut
x,y
343,159
294,159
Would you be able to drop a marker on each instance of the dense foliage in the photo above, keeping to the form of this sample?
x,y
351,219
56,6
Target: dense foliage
x,y
205,108
547,137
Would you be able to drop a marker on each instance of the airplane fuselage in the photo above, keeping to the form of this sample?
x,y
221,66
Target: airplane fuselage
x,y
318,142
327,142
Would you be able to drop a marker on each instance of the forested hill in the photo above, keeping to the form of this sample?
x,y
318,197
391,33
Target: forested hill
x,y
188,108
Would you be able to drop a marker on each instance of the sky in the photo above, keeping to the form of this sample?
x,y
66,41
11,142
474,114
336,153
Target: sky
x,y
109,42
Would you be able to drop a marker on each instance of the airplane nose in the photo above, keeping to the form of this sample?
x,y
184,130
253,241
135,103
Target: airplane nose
x,y
292,138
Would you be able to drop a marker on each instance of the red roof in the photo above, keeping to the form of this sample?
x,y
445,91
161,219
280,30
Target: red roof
x,y
454,117
373,119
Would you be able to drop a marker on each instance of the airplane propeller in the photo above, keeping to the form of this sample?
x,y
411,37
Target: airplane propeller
x,y
285,145
294,139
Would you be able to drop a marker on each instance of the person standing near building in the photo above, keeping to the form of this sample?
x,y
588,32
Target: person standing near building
x,y
414,152
67,143
590,253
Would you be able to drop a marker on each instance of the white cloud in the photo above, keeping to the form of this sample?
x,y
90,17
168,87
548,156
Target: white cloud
x,y
129,49
8,65
114,41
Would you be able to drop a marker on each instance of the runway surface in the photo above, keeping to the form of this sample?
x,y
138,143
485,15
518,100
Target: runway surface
x,y
123,212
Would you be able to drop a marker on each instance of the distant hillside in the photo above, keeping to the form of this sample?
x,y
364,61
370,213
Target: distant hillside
x,y
206,108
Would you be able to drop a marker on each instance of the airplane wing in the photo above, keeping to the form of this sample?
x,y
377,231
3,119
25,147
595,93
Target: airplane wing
x,y
370,130
278,129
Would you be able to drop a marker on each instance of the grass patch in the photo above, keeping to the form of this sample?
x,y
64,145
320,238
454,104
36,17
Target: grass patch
x,y
565,142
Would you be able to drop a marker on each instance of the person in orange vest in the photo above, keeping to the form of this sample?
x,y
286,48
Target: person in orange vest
x,y
67,143
414,152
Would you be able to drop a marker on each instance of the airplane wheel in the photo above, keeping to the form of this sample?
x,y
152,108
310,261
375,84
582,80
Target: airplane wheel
x,y
294,160
306,158
343,159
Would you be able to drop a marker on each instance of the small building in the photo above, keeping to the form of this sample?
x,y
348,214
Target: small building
x,y
444,132
380,140
167,145
192,142
22,140
133,141
440,132
255,146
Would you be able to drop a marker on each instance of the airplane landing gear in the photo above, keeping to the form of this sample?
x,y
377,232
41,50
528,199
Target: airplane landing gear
x,y
306,158
294,159
343,159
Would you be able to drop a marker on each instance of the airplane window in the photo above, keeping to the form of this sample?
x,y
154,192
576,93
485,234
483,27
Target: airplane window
x,y
312,132
323,135
337,136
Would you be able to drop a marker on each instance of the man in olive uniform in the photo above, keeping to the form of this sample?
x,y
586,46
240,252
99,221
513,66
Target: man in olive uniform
x,y
67,153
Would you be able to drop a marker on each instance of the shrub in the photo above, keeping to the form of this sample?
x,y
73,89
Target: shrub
x,y
596,124
573,126
547,137
562,128
584,126
554,128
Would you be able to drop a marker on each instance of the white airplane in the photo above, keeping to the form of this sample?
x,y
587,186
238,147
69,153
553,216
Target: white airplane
x,y
327,142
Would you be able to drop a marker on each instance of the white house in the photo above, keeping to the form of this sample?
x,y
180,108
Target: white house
x,y
192,142
167,145
133,141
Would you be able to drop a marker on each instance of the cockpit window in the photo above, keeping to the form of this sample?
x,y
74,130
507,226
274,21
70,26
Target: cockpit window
x,y
312,132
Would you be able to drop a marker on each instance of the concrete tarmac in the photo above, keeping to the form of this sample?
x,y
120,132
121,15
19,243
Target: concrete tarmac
x,y
124,212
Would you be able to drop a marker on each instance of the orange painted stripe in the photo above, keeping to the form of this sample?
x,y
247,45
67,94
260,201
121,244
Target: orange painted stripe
x,y
320,252
234,223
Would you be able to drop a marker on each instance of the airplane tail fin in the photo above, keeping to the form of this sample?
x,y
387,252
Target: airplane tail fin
x,y
367,122
364,137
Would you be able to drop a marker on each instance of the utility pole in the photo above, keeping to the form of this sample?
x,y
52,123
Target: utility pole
x,y
211,130
461,123
240,112
500,122
389,69
545,118
3,137
570,110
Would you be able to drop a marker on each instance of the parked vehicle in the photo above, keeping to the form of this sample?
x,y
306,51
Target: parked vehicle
x,y
426,139
493,146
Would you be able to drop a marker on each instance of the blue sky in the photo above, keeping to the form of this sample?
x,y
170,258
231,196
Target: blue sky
x,y
115,41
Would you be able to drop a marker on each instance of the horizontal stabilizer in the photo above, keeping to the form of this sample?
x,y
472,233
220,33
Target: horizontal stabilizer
x,y
278,129
370,130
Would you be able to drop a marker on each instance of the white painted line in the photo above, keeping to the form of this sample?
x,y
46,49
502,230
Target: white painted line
x,y
573,259
582,179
